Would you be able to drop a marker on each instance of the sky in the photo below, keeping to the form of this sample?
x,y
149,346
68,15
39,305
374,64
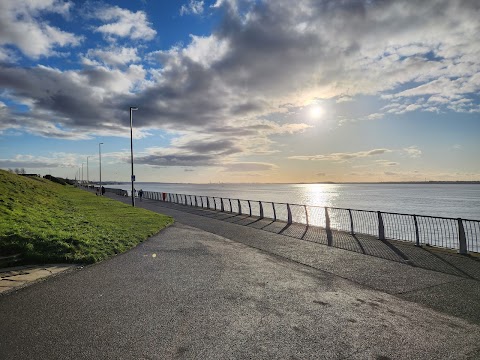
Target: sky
x,y
241,90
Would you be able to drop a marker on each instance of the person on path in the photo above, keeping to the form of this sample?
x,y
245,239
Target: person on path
x,y
140,194
103,190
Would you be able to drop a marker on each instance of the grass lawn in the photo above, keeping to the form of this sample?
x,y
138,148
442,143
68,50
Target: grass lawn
x,y
47,222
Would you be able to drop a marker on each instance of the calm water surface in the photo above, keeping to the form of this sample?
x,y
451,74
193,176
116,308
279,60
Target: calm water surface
x,y
447,200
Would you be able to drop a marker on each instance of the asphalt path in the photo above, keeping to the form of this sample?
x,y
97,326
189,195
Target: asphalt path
x,y
190,294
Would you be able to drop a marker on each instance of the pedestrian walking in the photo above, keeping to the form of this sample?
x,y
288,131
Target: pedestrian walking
x,y
140,194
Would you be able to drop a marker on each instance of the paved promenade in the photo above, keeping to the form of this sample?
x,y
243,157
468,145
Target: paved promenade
x,y
206,288
453,287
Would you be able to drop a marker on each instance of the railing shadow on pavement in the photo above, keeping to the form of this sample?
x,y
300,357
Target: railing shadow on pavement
x,y
441,260
426,257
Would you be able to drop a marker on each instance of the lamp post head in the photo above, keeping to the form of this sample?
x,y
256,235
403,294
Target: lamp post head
x,y
132,108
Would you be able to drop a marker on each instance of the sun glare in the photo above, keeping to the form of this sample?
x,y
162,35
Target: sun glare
x,y
315,111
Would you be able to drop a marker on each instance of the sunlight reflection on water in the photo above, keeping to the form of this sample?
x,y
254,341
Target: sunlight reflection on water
x,y
448,200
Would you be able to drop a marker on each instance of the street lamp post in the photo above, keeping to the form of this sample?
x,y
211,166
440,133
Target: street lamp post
x,y
88,181
131,152
82,175
100,161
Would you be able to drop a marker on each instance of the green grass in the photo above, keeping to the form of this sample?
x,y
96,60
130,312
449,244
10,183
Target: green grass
x,y
48,222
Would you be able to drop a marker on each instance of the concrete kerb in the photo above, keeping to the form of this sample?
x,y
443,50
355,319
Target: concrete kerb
x,y
17,277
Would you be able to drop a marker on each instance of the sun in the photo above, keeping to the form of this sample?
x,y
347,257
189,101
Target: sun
x,y
315,111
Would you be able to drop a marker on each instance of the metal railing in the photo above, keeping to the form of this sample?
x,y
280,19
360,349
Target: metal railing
x,y
459,234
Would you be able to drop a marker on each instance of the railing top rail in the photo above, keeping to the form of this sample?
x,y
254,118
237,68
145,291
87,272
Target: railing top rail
x,y
336,208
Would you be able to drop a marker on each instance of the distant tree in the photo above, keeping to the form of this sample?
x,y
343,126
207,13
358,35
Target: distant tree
x,y
17,171
10,171
22,171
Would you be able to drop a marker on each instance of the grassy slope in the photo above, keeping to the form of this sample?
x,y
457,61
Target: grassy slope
x,y
48,222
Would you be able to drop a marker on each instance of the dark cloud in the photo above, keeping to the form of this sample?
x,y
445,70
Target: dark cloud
x,y
221,147
177,160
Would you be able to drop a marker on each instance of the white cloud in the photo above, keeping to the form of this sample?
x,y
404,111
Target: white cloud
x,y
413,151
125,23
113,56
341,157
193,7
23,27
206,50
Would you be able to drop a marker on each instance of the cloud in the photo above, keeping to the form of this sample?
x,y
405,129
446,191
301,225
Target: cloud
x,y
178,159
341,157
124,23
114,56
261,56
249,166
21,17
193,7
386,163
188,151
413,151
56,160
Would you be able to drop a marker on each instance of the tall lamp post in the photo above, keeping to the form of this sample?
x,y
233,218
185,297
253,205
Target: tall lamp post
x,y
88,182
131,152
100,161
82,175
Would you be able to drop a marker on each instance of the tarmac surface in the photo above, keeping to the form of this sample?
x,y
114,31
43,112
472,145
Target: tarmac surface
x,y
210,289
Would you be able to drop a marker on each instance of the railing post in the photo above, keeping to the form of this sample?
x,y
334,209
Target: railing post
x,y
239,207
289,215
462,240
417,235
208,203
230,202
381,227
306,214
176,198
249,208
274,212
327,220
352,231
327,228
261,209
201,201
222,208
214,203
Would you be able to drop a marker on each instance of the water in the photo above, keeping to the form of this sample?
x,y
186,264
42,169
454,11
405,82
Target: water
x,y
444,200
